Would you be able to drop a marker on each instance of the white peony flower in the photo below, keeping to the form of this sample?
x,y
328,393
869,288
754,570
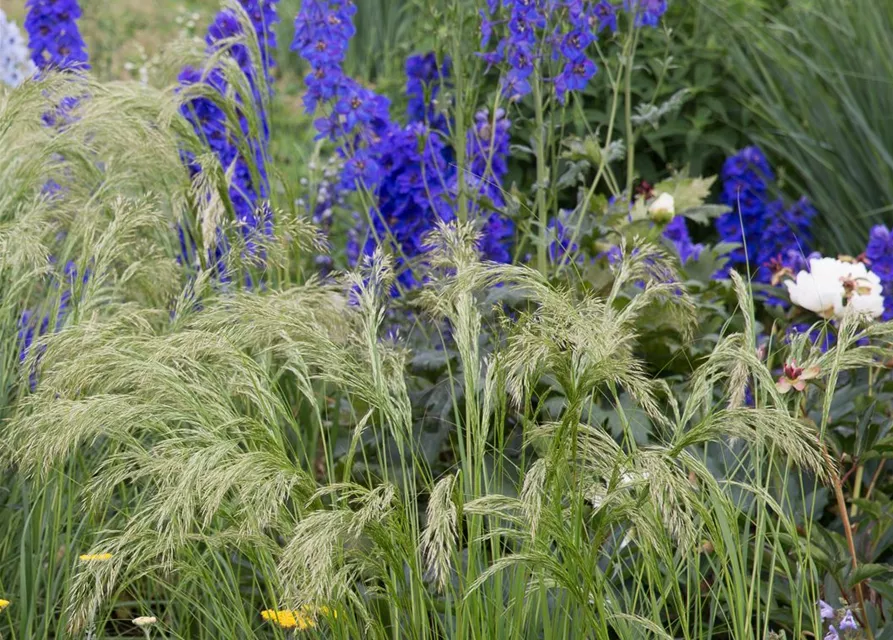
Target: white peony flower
x,y
831,287
663,207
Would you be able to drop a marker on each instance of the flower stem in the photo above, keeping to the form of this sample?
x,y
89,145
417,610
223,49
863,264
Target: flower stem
x,y
628,113
857,487
542,258
848,532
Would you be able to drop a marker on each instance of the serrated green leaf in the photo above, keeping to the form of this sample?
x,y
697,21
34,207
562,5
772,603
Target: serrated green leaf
x,y
689,193
704,213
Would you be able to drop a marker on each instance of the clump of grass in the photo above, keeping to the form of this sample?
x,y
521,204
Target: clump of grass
x,y
192,418
180,429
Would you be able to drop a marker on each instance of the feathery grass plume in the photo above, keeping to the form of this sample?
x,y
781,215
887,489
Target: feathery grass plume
x,y
439,534
190,414
533,494
313,566
90,587
114,176
611,475
703,422
368,288
588,343
201,481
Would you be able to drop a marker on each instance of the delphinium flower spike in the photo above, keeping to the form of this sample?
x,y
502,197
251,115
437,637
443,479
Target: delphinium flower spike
x,y
241,156
775,240
408,169
550,42
54,38
677,233
487,152
425,81
538,36
746,178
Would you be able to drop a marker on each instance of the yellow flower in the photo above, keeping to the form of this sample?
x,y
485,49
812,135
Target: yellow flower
x,y
95,557
285,619
303,618
3,604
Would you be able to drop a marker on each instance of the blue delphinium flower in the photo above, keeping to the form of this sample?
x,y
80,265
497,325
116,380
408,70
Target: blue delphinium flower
x,y
785,237
746,180
561,233
226,28
560,31
677,233
412,161
54,38
248,189
425,81
323,29
574,77
604,16
534,33
487,152
264,19
774,239
418,188
647,12
15,63
879,255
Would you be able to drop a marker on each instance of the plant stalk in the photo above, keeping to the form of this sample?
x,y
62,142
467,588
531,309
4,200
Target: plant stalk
x,y
848,532
542,257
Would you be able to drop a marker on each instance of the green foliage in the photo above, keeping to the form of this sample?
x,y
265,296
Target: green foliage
x,y
572,451
820,105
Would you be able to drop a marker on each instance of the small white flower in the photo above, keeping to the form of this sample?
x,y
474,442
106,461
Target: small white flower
x,y
831,287
145,621
15,63
664,206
